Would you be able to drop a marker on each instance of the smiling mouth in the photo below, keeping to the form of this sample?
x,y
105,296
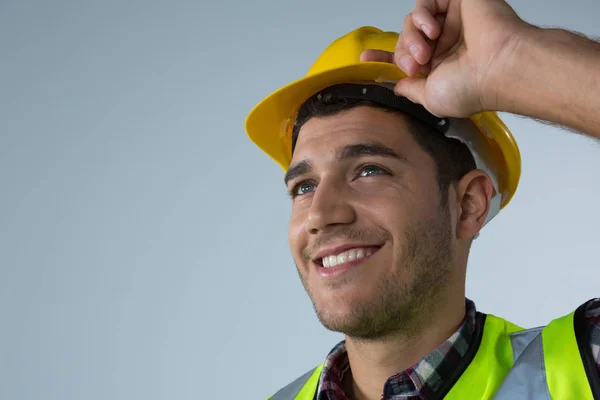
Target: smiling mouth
x,y
355,254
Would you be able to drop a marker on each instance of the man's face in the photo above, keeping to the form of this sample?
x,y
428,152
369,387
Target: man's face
x,y
370,238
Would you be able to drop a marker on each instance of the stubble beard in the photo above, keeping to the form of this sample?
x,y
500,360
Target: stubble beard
x,y
401,306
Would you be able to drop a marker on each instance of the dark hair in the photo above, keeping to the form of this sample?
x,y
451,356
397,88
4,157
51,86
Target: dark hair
x,y
453,158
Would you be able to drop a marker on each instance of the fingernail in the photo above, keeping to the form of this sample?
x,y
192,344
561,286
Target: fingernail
x,y
414,50
426,29
405,62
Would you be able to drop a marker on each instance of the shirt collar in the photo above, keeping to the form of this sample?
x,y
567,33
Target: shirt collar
x,y
422,379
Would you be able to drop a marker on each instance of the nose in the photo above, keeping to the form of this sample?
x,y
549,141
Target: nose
x,y
330,206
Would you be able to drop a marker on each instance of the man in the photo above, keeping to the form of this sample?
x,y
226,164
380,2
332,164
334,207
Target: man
x,y
388,194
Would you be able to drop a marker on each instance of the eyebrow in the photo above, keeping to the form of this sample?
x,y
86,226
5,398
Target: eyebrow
x,y
303,167
367,149
347,152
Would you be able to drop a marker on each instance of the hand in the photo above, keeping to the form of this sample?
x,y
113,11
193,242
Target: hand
x,y
463,47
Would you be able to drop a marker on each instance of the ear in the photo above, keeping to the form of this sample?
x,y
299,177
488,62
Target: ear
x,y
473,194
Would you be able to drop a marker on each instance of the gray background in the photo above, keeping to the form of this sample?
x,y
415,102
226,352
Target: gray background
x,y
143,249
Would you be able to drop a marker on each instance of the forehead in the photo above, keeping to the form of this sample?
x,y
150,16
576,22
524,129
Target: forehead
x,y
321,136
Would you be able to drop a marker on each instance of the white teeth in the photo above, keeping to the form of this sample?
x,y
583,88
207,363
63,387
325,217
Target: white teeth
x,y
350,255
332,261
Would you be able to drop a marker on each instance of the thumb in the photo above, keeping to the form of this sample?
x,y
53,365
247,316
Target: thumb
x,y
412,88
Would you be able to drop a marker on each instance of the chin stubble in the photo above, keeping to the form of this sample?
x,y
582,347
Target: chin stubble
x,y
401,306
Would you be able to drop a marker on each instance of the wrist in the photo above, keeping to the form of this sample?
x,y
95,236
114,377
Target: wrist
x,y
507,70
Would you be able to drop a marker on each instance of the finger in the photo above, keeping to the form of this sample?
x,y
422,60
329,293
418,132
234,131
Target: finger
x,y
411,88
386,56
426,22
440,18
377,55
433,6
414,42
407,63
424,70
424,16
409,66
451,28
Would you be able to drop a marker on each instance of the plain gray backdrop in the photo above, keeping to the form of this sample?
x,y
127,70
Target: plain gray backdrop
x,y
143,237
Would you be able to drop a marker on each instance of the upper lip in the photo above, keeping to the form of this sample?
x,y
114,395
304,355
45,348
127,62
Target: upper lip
x,y
337,249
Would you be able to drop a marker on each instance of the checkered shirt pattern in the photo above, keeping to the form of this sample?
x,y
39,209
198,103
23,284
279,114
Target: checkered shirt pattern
x,y
417,382
592,318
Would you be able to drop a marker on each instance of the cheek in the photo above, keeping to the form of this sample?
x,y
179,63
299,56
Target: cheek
x,y
391,213
297,235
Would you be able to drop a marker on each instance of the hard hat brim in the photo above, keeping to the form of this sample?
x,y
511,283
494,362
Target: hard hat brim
x,y
269,123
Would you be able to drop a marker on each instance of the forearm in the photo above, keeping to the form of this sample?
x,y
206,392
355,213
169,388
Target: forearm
x,y
553,75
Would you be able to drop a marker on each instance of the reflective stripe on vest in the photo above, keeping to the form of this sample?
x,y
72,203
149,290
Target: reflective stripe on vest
x,y
552,365
527,378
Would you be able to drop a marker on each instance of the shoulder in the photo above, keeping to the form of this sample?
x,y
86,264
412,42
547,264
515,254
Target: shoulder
x,y
591,309
582,324
588,315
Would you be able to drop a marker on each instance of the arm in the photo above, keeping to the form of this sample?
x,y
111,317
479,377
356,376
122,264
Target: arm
x,y
478,55
553,75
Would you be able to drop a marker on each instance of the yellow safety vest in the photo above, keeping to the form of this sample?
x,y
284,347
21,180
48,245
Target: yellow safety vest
x,y
507,362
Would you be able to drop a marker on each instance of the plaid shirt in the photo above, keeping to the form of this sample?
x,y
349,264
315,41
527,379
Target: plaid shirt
x,y
417,382
420,381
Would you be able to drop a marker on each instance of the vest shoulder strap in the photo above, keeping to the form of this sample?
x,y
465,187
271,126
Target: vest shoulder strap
x,y
555,364
303,388
493,359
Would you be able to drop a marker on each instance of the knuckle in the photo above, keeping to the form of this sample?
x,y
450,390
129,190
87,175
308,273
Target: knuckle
x,y
418,14
410,38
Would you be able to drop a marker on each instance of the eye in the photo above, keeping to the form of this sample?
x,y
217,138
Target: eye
x,y
302,188
369,170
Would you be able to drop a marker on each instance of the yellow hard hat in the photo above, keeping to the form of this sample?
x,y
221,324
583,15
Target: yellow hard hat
x,y
269,125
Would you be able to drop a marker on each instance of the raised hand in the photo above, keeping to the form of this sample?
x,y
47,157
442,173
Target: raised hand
x,y
455,52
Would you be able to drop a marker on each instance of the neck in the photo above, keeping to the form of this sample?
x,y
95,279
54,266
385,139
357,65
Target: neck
x,y
373,362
